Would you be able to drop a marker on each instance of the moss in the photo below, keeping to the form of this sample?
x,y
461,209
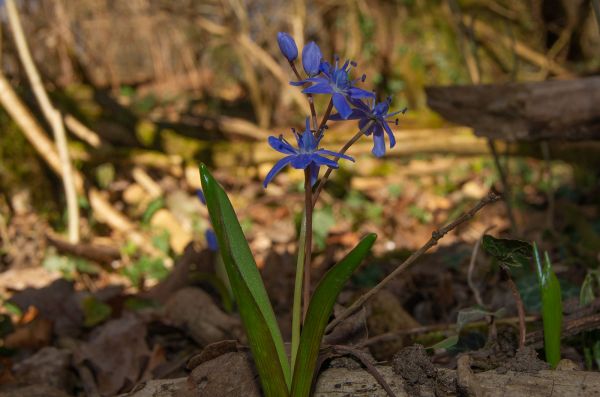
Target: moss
x,y
21,168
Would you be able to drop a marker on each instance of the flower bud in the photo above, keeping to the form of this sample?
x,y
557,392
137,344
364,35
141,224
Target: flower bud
x,y
287,45
311,58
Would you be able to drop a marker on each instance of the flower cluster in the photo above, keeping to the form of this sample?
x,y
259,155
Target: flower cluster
x,y
350,102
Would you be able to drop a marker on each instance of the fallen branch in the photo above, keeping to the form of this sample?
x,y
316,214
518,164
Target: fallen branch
x,y
52,115
82,132
435,237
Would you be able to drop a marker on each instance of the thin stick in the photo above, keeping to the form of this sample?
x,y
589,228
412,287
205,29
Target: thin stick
x,y
470,281
506,191
550,179
393,335
435,237
308,240
520,307
52,115
82,132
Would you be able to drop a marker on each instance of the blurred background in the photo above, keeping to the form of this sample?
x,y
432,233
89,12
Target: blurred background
x,y
149,89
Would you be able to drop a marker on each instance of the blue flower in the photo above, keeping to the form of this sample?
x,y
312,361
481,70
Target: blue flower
x,y
378,114
211,240
209,234
201,197
337,83
311,59
307,155
287,45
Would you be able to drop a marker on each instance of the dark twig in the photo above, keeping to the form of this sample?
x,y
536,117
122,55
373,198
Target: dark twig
x,y
520,308
470,281
348,350
435,237
506,192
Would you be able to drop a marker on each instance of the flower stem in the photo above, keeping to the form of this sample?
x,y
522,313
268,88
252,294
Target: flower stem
x,y
326,115
343,150
311,101
308,198
297,305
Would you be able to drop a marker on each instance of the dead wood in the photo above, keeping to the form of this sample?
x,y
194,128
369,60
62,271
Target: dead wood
x,y
562,110
358,382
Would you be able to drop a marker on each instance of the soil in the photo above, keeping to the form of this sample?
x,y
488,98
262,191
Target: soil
x,y
414,365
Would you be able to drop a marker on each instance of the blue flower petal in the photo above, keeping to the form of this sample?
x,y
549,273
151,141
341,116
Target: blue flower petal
x,y
276,168
378,142
341,105
319,88
334,154
320,160
363,123
281,146
360,93
287,45
201,197
390,134
354,115
301,161
311,58
211,240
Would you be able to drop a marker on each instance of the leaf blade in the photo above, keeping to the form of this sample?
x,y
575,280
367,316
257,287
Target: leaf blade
x,y
317,316
245,278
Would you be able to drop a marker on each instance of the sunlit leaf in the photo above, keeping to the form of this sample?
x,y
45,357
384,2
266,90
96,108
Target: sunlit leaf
x,y
255,308
317,316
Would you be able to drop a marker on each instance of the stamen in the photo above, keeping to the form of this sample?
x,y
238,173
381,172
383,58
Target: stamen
x,y
363,78
354,64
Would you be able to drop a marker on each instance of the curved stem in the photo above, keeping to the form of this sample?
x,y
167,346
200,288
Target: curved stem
x,y
343,150
311,101
326,115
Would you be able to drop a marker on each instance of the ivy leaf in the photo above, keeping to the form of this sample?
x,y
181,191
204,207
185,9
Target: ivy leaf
x,y
508,252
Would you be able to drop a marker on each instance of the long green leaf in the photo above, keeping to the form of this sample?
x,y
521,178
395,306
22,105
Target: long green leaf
x,y
551,307
317,316
248,288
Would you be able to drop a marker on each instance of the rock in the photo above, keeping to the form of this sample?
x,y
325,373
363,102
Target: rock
x,y
158,388
214,378
32,391
49,366
194,310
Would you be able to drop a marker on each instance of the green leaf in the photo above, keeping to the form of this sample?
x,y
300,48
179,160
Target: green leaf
x,y
596,353
551,307
507,252
447,343
472,314
94,311
152,209
255,308
317,316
